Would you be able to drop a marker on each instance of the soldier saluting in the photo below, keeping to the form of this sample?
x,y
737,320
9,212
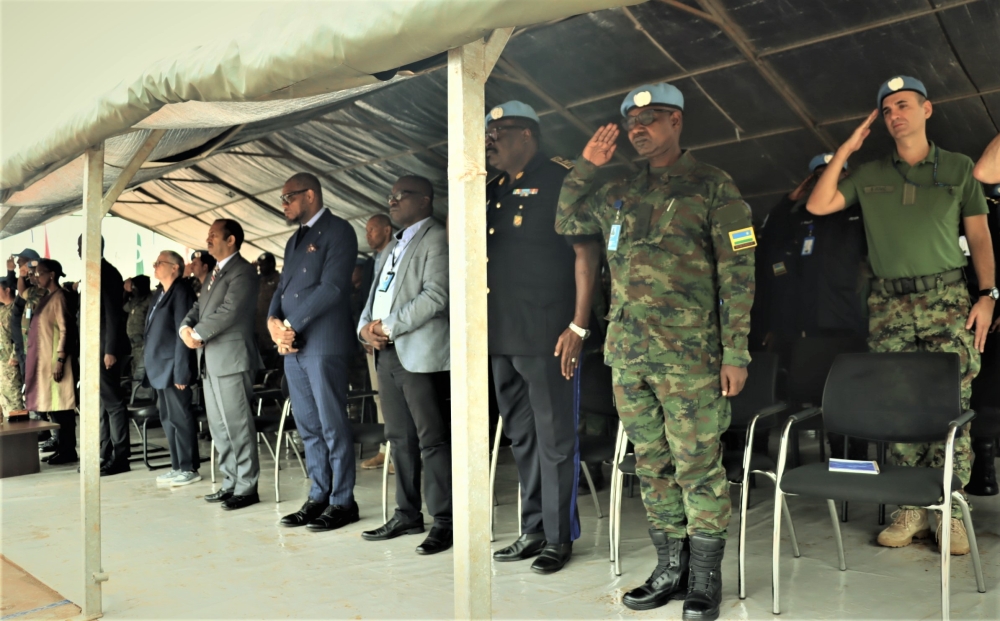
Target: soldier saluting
x,y
912,203
679,244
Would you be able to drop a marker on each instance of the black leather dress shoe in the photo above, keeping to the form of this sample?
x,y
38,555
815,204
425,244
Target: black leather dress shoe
x,y
309,512
62,458
334,517
108,471
524,548
553,558
219,496
237,501
438,540
392,529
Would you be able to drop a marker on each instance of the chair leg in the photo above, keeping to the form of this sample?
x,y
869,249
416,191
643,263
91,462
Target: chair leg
x,y
493,477
945,544
880,455
741,566
836,533
967,520
268,445
385,481
617,538
791,528
593,490
779,500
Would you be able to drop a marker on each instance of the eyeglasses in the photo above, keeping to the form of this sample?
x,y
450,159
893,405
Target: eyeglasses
x,y
157,264
644,118
493,133
398,196
287,198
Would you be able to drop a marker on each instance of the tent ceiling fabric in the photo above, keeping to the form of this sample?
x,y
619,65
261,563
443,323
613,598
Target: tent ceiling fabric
x,y
831,54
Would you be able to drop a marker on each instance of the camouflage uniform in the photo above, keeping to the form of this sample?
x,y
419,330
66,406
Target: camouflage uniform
x,y
135,326
681,293
10,375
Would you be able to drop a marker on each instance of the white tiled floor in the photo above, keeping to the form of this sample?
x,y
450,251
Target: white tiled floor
x,y
173,556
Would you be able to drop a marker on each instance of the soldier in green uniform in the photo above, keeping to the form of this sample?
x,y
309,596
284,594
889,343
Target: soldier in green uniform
x,y
136,310
10,372
200,267
913,201
680,248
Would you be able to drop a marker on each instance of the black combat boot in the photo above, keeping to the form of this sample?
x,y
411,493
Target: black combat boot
x,y
983,479
705,580
669,578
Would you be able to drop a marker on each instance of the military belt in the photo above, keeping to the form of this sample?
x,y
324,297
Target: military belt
x,y
919,284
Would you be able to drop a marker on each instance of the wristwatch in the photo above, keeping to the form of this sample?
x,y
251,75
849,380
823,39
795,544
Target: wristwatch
x,y
583,333
387,331
993,293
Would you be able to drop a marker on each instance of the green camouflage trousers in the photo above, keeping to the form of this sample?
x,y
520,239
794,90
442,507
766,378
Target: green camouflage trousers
x,y
675,420
929,321
10,388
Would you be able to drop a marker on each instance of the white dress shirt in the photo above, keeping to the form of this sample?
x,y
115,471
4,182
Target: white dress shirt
x,y
382,304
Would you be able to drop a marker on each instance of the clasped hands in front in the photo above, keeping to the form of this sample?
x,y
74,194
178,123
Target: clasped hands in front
x,y
282,335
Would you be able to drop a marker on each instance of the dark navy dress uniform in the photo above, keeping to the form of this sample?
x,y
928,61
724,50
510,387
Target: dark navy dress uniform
x,y
532,299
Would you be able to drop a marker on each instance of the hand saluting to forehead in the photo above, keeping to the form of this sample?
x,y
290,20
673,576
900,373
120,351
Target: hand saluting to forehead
x,y
601,147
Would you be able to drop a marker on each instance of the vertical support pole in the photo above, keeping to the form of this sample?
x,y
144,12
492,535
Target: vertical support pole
x,y
469,379
90,381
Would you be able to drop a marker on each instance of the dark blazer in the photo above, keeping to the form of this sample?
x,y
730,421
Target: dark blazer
x,y
114,340
224,319
314,294
168,360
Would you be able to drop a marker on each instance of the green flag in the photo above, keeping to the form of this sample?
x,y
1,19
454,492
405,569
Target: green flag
x,y
138,254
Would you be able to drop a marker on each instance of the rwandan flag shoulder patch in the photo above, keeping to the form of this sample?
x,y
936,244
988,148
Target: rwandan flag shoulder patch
x,y
742,239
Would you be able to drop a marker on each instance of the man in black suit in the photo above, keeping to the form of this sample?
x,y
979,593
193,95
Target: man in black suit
x,y
171,368
310,321
115,441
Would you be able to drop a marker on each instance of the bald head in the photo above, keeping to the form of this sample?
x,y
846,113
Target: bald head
x,y
378,231
301,198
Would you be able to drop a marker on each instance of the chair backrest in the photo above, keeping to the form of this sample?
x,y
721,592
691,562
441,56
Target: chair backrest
x,y
759,391
894,397
596,391
810,364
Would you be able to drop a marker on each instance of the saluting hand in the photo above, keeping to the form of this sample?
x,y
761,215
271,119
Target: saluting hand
x,y
858,137
601,147
800,191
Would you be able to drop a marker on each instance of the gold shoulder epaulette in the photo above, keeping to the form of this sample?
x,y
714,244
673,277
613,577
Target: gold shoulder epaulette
x,y
568,165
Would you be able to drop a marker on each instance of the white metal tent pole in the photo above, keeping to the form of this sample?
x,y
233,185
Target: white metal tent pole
x,y
468,68
90,381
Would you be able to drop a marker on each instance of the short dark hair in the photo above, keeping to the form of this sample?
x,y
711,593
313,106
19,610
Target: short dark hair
x,y
140,285
382,219
52,266
308,181
425,186
207,260
234,229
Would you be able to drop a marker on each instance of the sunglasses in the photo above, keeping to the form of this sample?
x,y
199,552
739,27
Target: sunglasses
x,y
644,118
398,196
287,198
494,132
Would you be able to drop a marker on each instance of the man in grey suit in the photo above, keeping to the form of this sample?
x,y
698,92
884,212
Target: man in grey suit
x,y
220,326
406,321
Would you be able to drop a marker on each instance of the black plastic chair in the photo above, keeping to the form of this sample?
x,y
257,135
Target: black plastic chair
x,y
146,416
890,397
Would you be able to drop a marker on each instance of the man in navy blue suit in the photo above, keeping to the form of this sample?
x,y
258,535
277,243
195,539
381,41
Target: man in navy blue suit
x,y
310,322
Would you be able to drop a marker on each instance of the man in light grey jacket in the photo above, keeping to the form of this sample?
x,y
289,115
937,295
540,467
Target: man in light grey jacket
x,y
406,320
220,326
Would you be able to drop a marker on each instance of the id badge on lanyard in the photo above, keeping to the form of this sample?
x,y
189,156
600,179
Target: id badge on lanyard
x,y
386,282
808,243
616,228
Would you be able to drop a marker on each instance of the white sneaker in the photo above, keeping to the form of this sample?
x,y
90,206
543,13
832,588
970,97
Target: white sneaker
x,y
164,479
185,478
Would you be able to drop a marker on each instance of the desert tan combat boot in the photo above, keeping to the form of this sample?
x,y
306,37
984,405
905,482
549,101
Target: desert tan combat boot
x,y
907,524
959,537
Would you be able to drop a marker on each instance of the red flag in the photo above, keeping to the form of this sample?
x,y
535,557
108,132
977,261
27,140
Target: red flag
x,y
46,229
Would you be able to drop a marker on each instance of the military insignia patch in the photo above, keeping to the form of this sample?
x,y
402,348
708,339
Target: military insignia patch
x,y
779,268
311,248
743,239
525,191
642,98
828,158
895,84
518,220
568,165
496,113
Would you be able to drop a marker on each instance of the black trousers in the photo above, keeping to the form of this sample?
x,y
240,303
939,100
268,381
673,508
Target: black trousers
x,y
179,424
418,427
66,419
536,404
115,440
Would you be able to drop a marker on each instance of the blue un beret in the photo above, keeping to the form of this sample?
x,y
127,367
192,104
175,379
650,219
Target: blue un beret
x,y
648,94
822,160
899,83
512,109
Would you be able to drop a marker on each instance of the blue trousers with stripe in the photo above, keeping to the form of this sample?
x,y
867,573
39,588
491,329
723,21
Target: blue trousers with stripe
x,y
539,410
318,388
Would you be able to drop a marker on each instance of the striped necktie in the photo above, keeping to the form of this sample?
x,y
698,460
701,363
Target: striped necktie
x,y
215,274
